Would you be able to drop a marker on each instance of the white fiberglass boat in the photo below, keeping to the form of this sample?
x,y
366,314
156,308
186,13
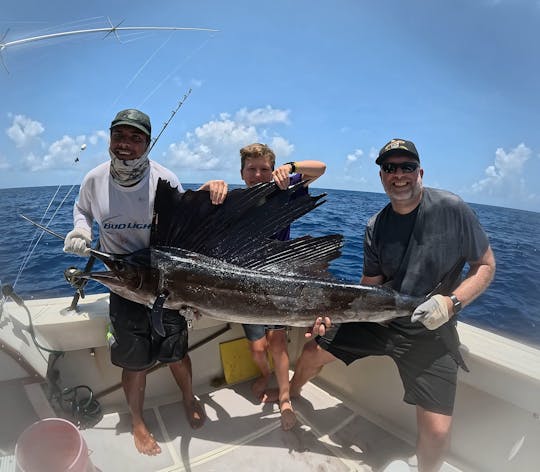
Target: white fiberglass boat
x,y
350,418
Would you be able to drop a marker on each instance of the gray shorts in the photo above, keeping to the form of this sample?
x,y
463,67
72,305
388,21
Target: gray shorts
x,y
255,332
426,367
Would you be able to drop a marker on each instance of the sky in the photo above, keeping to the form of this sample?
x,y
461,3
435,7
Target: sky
x,y
331,80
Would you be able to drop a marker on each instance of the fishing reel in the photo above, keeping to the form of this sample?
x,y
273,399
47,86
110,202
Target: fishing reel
x,y
75,279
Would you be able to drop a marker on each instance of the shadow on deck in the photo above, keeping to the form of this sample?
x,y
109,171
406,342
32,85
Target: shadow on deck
x,y
241,435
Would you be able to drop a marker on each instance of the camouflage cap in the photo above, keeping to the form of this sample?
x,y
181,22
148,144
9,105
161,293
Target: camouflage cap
x,y
135,118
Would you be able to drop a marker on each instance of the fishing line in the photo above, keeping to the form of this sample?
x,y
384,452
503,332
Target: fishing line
x,y
33,245
82,22
34,242
130,82
51,30
187,58
31,248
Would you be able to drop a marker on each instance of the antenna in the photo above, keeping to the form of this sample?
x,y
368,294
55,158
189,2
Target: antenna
x,y
113,30
184,98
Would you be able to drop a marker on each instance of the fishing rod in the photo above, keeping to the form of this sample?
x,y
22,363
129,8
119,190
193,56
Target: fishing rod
x,y
111,29
184,98
72,274
44,228
173,113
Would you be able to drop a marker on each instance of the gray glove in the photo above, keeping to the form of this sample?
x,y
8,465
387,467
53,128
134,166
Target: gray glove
x,y
78,242
432,313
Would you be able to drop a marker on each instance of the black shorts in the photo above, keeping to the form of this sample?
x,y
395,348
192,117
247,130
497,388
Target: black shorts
x,y
137,346
426,367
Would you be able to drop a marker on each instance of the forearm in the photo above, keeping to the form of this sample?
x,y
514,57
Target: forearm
x,y
81,219
478,278
310,169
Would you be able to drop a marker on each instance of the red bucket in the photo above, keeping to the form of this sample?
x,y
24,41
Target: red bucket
x,y
52,445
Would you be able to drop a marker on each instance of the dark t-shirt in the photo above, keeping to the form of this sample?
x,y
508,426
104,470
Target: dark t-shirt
x,y
417,251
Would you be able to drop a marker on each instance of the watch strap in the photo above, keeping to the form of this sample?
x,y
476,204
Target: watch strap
x,y
293,166
456,303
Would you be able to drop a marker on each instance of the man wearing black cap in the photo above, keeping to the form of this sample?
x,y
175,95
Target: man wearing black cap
x,y
418,244
119,196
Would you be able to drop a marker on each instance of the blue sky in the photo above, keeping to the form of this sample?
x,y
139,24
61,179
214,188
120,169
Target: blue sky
x,y
330,80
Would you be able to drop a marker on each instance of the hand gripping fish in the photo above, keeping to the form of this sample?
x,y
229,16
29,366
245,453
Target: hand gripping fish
x,y
221,261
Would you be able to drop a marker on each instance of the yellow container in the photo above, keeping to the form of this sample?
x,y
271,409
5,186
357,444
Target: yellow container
x,y
237,362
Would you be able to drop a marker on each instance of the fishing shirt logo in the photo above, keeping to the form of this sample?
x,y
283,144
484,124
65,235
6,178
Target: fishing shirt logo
x,y
131,225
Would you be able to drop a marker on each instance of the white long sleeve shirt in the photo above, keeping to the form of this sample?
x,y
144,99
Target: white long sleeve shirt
x,y
123,214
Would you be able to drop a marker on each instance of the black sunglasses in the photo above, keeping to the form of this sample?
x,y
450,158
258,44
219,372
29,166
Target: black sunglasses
x,y
406,167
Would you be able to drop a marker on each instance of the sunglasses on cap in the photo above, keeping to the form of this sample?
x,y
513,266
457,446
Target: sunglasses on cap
x,y
406,167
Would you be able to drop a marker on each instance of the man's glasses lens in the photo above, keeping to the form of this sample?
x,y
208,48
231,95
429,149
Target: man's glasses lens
x,y
406,167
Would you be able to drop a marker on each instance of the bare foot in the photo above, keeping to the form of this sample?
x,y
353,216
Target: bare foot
x,y
288,417
144,441
195,413
270,395
259,386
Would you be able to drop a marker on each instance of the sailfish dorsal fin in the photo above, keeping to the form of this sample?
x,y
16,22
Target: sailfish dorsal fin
x,y
240,230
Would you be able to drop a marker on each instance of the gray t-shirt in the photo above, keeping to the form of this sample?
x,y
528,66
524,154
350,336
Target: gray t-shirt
x,y
416,252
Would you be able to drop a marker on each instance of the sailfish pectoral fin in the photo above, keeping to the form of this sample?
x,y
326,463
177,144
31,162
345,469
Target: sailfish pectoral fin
x,y
156,314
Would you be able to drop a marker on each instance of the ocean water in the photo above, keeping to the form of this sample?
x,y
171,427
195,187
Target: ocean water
x,y
35,264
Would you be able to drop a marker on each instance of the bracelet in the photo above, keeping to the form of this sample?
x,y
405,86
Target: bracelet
x,y
293,166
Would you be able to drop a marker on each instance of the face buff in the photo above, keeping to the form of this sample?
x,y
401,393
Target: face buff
x,y
129,172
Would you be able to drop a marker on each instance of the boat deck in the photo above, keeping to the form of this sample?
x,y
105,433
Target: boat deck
x,y
239,435
245,436
350,418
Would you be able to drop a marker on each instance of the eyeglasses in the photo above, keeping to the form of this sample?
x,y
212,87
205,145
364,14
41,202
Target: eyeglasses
x,y
406,167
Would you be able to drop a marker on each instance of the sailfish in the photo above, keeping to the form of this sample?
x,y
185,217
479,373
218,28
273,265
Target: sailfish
x,y
221,261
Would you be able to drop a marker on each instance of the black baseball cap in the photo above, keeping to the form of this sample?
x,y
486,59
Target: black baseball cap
x,y
135,118
397,146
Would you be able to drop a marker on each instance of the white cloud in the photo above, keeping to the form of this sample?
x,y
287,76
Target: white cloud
x,y
61,153
281,147
23,131
353,169
98,136
262,116
216,144
505,178
351,161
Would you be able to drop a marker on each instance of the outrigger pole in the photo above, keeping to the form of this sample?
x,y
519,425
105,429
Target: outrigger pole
x,y
109,30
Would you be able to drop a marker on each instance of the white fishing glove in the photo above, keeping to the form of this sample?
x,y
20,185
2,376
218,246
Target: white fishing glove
x,y
432,313
78,241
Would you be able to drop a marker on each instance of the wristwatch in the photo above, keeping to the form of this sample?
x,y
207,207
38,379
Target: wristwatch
x,y
293,166
456,303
